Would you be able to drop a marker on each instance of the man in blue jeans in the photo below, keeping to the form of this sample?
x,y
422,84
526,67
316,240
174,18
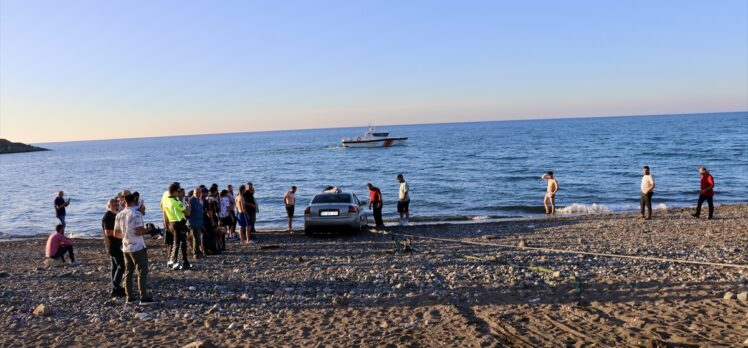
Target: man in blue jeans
x,y
113,246
60,204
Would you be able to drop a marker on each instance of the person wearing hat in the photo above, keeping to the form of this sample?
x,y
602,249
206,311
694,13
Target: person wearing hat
x,y
375,202
550,193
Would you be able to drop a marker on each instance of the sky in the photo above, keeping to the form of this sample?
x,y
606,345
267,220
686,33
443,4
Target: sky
x,y
79,70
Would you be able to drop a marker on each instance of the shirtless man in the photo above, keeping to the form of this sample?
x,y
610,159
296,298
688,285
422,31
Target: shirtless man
x,y
241,215
550,193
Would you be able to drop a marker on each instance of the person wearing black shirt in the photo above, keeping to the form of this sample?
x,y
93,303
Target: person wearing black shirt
x,y
60,204
251,208
114,248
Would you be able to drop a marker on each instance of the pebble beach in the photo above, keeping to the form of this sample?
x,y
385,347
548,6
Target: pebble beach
x,y
401,290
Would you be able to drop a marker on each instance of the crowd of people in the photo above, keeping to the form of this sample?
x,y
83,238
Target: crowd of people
x,y
199,222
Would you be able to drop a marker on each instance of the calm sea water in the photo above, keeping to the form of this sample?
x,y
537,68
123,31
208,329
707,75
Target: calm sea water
x,y
467,171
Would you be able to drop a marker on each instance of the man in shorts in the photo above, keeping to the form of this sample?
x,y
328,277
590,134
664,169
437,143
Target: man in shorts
x,y
241,215
550,194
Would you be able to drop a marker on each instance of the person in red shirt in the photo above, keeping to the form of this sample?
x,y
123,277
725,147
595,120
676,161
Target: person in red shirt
x,y
58,245
706,193
375,201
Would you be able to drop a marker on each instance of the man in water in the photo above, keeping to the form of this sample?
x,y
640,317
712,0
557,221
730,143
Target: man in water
x,y
60,204
113,246
550,193
375,202
706,193
175,211
196,222
647,188
290,201
129,226
58,245
403,200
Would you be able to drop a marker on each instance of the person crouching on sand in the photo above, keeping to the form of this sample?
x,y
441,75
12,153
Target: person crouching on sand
x,y
550,193
57,246
706,193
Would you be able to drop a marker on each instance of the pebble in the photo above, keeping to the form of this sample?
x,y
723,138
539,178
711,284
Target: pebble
x,y
212,309
41,310
233,325
729,296
141,316
192,288
743,296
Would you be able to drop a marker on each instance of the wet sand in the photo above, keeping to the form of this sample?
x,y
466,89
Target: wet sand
x,y
367,290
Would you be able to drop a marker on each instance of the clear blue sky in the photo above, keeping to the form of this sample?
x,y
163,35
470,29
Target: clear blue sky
x,y
73,70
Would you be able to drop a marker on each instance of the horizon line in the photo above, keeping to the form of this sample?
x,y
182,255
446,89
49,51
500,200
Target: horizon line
x,y
541,118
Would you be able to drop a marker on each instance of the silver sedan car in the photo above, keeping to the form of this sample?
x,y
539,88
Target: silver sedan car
x,y
333,209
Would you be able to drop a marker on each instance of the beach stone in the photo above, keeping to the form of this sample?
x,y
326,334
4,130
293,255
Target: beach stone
x,y
233,326
522,243
192,288
41,310
743,296
141,316
200,344
212,310
209,324
729,296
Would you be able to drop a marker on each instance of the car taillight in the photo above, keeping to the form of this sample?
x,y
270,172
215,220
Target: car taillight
x,y
308,211
352,209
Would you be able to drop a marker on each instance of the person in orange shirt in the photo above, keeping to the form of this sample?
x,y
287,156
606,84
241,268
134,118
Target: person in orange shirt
x,y
706,193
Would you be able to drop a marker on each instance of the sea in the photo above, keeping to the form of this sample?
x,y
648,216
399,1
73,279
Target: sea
x,y
457,172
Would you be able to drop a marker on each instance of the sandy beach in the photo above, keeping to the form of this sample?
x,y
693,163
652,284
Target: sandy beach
x,y
366,290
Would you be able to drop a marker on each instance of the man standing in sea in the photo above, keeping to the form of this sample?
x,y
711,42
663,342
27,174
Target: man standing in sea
x,y
60,204
706,193
647,188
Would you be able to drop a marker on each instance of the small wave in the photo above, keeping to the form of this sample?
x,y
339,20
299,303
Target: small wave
x,y
594,208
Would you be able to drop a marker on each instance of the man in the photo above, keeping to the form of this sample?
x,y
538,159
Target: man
x,y
250,209
196,222
169,237
114,247
232,212
175,212
403,200
129,226
60,204
706,193
550,193
375,201
647,188
241,215
57,246
290,201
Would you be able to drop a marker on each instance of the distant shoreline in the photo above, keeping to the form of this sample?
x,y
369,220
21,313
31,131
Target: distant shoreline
x,y
8,147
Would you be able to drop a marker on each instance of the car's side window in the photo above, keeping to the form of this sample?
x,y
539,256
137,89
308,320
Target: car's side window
x,y
355,199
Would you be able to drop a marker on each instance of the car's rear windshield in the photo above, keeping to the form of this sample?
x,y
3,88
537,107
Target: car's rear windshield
x,y
332,198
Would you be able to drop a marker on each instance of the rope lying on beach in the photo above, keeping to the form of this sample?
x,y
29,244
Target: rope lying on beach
x,y
562,251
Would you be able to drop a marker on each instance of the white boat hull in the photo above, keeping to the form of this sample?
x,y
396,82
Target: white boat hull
x,y
387,142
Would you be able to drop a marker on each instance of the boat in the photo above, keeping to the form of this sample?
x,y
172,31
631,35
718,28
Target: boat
x,y
372,138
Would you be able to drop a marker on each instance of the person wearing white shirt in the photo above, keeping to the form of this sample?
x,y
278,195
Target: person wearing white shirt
x,y
128,225
647,188
403,200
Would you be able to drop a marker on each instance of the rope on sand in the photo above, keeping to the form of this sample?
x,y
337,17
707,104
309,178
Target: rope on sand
x,y
562,251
